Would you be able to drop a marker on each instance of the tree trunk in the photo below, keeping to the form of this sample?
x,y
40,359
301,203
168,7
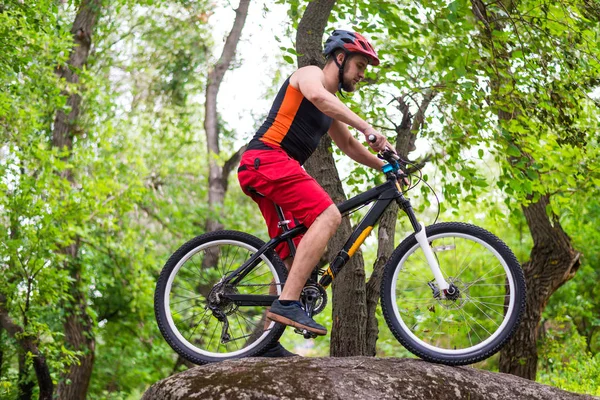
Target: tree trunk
x,y
25,385
385,246
553,261
1,351
217,177
348,334
406,134
28,345
309,37
63,133
78,324
78,334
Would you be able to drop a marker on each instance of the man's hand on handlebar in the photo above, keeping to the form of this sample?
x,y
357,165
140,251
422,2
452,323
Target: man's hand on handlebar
x,y
389,154
377,141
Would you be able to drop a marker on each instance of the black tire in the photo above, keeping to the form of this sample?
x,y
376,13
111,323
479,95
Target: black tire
x,y
446,331
190,274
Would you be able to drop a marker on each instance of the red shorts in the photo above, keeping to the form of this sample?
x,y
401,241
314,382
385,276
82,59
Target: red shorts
x,y
283,181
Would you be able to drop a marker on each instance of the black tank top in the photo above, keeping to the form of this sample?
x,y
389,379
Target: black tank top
x,y
293,124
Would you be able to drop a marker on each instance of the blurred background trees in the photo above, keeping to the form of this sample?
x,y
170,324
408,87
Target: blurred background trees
x,y
104,168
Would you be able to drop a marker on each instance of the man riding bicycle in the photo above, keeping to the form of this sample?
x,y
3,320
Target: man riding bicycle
x,y
271,167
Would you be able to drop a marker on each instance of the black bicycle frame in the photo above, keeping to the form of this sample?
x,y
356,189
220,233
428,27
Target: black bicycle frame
x,y
383,195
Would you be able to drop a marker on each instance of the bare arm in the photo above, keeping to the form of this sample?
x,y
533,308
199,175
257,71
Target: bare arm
x,y
352,147
310,82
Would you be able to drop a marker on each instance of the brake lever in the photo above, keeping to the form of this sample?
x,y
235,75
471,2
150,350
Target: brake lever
x,y
403,177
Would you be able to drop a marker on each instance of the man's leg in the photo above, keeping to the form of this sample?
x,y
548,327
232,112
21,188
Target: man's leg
x,y
288,310
310,250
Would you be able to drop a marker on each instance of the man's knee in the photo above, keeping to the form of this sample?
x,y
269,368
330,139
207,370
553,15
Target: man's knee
x,y
333,216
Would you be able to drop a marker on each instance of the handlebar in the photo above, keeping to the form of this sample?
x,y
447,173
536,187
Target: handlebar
x,y
396,167
388,154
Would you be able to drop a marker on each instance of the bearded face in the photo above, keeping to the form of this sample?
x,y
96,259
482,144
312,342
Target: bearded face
x,y
354,71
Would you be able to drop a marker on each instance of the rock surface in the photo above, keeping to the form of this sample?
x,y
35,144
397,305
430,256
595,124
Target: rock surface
x,y
347,378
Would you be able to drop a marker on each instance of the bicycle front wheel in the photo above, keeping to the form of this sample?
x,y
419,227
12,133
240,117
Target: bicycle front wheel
x,y
195,311
473,324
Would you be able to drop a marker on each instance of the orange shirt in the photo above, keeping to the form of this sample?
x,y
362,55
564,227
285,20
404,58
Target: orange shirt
x,y
293,124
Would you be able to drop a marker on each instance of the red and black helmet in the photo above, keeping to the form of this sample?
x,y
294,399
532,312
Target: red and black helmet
x,y
350,42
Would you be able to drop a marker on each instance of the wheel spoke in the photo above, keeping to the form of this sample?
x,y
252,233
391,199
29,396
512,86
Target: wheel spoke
x,y
442,326
481,278
469,325
484,313
257,276
468,254
485,305
189,290
213,335
426,300
194,331
185,309
438,326
185,299
195,274
224,263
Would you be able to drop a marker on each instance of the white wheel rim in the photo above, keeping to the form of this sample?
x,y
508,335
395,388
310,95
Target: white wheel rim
x,y
470,349
169,285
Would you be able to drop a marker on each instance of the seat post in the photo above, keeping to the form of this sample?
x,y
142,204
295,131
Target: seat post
x,y
284,225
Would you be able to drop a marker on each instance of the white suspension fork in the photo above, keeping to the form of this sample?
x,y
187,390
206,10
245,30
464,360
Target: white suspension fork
x,y
431,260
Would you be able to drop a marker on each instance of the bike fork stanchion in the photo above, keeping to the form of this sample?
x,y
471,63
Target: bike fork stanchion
x,y
431,260
421,237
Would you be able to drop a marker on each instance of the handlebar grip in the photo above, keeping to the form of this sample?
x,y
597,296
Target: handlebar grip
x,y
372,138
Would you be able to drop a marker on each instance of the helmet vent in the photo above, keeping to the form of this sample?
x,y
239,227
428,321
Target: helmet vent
x,y
362,44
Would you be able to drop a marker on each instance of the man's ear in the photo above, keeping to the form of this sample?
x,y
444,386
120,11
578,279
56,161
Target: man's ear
x,y
340,57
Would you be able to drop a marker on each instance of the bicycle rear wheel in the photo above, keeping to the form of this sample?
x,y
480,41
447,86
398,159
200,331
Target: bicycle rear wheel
x,y
190,282
462,329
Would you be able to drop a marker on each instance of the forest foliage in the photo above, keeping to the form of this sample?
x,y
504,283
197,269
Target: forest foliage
x,y
133,187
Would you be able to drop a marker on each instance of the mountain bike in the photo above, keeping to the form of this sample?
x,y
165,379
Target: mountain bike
x,y
451,293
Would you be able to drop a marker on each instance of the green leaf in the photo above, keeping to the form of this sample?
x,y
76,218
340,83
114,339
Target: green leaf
x,y
513,150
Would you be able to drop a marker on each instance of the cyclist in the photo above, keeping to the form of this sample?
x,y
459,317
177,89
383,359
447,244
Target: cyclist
x,y
271,167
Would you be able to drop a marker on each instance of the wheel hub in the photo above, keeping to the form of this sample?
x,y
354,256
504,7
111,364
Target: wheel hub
x,y
218,298
456,296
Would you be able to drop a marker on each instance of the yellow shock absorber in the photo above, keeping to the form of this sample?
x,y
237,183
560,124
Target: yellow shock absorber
x,y
327,277
361,238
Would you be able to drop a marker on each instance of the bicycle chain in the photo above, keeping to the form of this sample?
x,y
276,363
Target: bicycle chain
x,y
260,284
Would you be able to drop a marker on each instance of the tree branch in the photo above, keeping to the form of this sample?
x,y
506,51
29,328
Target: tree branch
x,y
26,342
231,164
217,183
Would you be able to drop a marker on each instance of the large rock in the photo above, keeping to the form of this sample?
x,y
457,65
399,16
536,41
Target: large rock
x,y
347,378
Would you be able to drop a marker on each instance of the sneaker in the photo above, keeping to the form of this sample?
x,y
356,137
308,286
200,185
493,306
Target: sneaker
x,y
277,350
294,315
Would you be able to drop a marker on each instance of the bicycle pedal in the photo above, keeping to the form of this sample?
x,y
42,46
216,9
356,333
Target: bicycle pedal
x,y
305,333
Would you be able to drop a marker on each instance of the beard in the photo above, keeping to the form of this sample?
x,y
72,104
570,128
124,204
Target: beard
x,y
348,85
